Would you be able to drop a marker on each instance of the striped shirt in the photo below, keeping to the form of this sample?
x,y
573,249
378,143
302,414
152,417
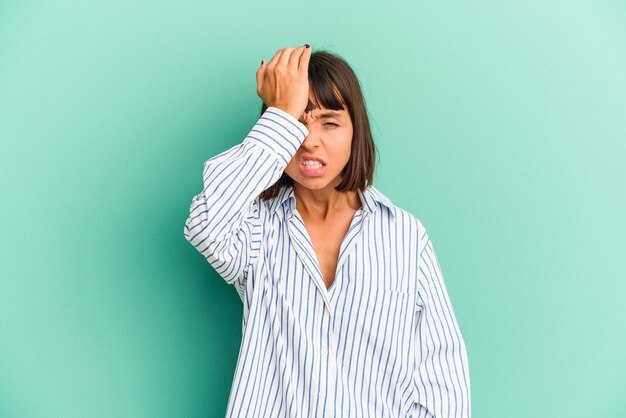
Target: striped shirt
x,y
382,341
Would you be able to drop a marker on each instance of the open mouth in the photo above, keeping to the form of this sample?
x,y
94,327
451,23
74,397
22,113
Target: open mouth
x,y
312,164
312,168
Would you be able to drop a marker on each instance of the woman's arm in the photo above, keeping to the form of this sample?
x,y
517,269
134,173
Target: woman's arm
x,y
225,221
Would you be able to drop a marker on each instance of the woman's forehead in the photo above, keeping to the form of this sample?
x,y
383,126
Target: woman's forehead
x,y
316,110
323,112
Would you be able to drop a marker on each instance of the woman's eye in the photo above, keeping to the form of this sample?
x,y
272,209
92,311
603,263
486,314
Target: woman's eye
x,y
331,123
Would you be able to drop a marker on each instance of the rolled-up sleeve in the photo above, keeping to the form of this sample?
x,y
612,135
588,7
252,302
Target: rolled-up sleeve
x,y
441,375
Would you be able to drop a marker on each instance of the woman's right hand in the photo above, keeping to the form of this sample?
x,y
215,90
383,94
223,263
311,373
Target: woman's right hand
x,y
284,81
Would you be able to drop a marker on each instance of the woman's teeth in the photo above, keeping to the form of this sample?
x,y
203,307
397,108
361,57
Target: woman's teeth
x,y
312,164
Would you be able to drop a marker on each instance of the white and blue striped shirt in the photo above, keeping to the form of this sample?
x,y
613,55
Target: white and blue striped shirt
x,y
382,341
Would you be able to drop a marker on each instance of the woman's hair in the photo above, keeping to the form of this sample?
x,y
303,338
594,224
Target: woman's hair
x,y
334,84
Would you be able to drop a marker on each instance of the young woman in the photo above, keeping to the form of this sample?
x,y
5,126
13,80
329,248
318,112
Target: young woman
x,y
345,311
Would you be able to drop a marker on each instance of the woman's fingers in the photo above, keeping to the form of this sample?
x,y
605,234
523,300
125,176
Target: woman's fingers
x,y
274,60
283,83
294,59
303,62
283,61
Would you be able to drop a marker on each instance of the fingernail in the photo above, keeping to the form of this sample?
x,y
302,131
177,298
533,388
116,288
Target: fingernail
x,y
307,45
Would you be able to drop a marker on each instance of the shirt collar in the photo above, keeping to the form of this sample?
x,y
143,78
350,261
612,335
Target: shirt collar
x,y
371,199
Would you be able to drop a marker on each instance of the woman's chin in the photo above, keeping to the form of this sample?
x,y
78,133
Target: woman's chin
x,y
313,184
318,183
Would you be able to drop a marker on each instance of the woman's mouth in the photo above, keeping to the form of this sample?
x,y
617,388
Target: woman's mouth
x,y
312,168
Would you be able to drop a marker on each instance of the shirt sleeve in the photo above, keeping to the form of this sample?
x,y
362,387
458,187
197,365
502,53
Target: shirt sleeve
x,y
441,375
225,219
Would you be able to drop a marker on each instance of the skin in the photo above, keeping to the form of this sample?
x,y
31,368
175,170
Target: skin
x,y
329,138
327,214
283,83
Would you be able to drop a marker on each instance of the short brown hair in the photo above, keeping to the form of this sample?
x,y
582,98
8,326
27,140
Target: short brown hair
x,y
334,84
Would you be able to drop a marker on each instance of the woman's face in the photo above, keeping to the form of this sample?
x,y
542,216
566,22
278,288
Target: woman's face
x,y
330,140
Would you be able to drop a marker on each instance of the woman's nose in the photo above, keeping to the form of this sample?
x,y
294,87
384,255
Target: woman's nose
x,y
311,140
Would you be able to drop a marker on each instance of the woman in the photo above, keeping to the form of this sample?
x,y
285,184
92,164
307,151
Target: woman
x,y
345,311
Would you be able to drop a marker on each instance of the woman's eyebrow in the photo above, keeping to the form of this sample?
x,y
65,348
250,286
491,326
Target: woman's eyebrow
x,y
330,114
327,114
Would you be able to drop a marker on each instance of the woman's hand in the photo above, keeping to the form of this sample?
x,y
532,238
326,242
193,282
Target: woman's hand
x,y
284,81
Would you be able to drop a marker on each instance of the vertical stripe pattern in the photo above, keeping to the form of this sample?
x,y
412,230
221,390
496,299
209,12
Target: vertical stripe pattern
x,y
382,341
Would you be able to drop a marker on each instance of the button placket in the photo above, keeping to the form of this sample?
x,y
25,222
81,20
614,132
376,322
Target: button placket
x,y
329,363
324,320
331,353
